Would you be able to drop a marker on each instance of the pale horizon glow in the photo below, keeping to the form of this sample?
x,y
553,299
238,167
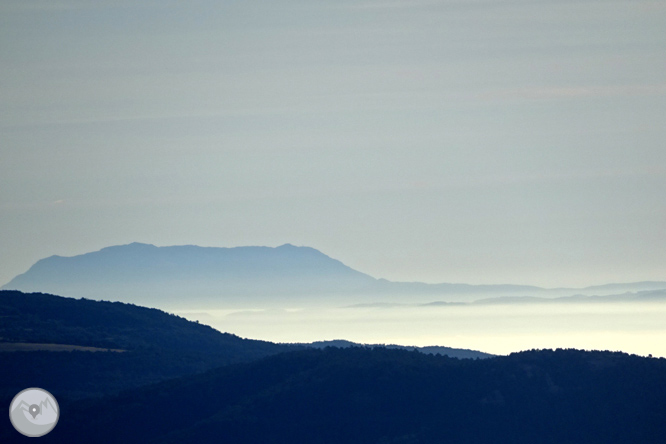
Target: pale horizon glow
x,y
630,328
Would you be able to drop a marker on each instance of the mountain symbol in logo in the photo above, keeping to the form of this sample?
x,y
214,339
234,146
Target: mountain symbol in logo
x,y
34,412
44,407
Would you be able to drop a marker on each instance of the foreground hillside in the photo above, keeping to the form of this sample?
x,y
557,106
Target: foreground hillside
x,y
151,345
359,395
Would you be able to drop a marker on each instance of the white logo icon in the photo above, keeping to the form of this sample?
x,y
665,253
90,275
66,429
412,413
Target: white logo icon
x,y
34,412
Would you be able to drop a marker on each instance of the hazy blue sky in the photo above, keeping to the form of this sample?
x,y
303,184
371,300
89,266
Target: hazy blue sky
x,y
444,141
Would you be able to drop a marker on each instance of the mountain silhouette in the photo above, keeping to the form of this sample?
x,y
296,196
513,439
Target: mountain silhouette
x,y
186,275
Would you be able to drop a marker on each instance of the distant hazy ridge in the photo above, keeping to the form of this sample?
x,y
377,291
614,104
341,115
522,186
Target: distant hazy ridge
x,y
142,273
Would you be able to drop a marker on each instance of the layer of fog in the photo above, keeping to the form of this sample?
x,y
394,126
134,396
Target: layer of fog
x,y
632,327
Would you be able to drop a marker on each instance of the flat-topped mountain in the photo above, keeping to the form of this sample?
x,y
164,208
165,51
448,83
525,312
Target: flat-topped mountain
x,y
186,275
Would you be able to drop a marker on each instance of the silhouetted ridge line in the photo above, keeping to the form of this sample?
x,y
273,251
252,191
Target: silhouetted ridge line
x,y
360,395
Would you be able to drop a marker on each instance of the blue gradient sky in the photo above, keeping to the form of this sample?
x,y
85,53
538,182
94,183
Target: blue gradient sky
x,y
442,141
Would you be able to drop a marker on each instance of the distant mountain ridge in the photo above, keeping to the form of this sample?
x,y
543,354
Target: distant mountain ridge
x,y
143,273
459,353
213,277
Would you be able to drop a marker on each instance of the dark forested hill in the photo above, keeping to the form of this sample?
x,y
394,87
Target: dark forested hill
x,y
38,317
359,395
154,345
105,347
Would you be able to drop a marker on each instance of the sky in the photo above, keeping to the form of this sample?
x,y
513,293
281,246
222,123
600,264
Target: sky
x,y
441,141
